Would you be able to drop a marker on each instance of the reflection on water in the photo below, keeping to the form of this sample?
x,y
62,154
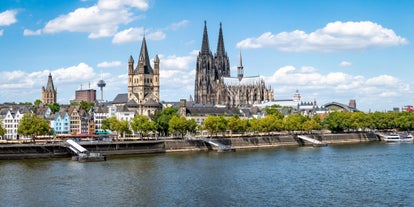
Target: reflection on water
x,y
374,174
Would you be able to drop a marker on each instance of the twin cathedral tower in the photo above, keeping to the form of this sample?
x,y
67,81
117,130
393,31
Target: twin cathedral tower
x,y
213,83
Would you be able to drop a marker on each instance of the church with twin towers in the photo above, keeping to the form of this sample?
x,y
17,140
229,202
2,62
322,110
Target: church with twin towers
x,y
215,86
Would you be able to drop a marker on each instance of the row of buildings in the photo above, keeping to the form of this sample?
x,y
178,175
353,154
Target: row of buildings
x,y
216,92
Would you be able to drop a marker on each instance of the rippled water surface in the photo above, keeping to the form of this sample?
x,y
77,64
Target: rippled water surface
x,y
374,174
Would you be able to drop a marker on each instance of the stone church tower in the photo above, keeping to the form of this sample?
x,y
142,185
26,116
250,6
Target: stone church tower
x,y
144,83
215,86
210,70
49,93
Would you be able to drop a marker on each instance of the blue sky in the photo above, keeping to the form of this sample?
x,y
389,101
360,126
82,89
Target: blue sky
x,y
328,50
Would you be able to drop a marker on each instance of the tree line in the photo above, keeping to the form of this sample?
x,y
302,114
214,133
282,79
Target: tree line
x,y
168,122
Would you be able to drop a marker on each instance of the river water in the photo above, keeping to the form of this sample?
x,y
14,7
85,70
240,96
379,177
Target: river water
x,y
372,174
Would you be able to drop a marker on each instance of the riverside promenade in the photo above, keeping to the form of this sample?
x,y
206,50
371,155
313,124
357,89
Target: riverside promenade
x,y
109,148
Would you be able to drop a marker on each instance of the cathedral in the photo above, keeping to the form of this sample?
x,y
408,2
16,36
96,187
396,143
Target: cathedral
x,y
215,86
144,83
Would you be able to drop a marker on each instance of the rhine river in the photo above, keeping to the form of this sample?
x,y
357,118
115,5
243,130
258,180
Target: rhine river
x,y
372,174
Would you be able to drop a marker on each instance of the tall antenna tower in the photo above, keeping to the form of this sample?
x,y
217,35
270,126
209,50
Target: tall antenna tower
x,y
101,84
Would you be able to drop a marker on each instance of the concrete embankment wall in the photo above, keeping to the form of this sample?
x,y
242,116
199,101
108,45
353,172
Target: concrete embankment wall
x,y
347,138
23,151
265,141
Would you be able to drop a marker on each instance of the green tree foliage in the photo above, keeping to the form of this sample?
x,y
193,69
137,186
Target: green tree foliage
x,y
32,125
162,119
178,125
270,123
235,124
274,110
113,124
215,124
254,125
37,102
55,107
312,124
86,105
338,121
360,121
294,122
2,129
142,125
26,103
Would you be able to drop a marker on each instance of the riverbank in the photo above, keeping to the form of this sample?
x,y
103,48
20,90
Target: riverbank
x,y
58,150
268,141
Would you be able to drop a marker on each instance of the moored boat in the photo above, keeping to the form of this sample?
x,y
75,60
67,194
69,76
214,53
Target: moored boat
x,y
394,137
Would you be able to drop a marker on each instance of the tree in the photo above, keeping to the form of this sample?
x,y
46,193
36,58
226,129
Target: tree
x,y
235,124
254,125
86,105
312,124
2,129
37,102
113,124
32,125
142,125
162,119
178,125
294,122
215,124
274,110
270,123
338,121
55,107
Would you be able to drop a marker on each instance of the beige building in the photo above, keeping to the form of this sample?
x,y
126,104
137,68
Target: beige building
x,y
49,93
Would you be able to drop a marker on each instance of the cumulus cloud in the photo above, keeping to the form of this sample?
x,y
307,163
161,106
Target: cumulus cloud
x,y
112,64
18,85
177,74
28,32
8,17
345,64
100,20
337,85
135,35
335,36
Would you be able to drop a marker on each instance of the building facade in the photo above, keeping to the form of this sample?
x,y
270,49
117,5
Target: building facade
x,y
215,86
144,83
49,92
88,95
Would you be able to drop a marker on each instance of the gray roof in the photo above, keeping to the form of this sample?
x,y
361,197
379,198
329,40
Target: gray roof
x,y
120,98
207,110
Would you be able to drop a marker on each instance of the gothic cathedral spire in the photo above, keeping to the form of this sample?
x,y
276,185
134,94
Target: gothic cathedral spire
x,y
220,44
205,47
144,59
240,69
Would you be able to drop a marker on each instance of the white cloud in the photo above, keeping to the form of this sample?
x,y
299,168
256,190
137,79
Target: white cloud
x,y
335,36
178,25
28,32
336,86
136,35
21,85
8,17
106,64
345,64
100,20
174,62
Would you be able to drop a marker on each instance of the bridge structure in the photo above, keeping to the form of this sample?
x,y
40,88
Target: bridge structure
x,y
220,147
315,142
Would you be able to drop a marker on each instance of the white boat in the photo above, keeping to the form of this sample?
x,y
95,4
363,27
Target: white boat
x,y
394,137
